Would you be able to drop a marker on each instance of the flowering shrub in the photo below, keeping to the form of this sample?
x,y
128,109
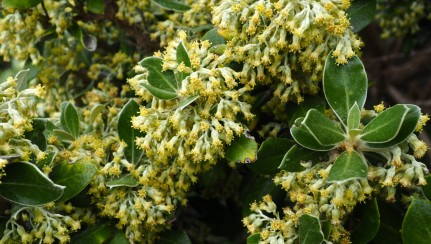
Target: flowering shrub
x,y
150,121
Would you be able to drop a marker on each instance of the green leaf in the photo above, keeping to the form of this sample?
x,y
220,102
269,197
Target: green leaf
x,y
63,136
187,101
74,176
127,180
242,150
369,222
119,238
361,13
417,222
36,135
253,239
391,219
426,189
270,155
20,3
97,234
349,165
172,5
344,85
214,37
182,57
96,6
354,117
89,42
296,111
95,111
161,84
25,184
69,119
127,133
322,128
304,137
310,231
47,160
174,237
291,161
392,126
22,79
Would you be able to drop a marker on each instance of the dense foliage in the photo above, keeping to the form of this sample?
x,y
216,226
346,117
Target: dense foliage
x,y
206,121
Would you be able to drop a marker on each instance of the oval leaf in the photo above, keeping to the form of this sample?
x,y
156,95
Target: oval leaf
x,y
127,133
96,234
253,239
322,128
392,126
310,231
417,223
270,155
70,120
349,165
296,111
304,137
21,79
369,223
344,85
242,150
25,184
214,37
182,57
119,238
292,160
161,84
74,176
127,180
172,5
20,3
361,13
96,6
187,101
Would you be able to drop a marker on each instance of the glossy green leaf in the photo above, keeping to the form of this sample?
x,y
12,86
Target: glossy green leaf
x,y
242,149
127,180
74,176
310,231
96,6
305,138
369,223
253,239
20,3
361,13
417,223
174,237
69,119
392,126
182,57
291,161
270,155
97,234
354,117
36,135
47,160
119,238
172,5
127,133
25,184
322,128
214,37
296,111
161,84
348,165
22,79
187,101
344,85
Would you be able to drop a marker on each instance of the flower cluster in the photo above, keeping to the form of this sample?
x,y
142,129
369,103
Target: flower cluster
x,y
46,224
286,41
401,18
